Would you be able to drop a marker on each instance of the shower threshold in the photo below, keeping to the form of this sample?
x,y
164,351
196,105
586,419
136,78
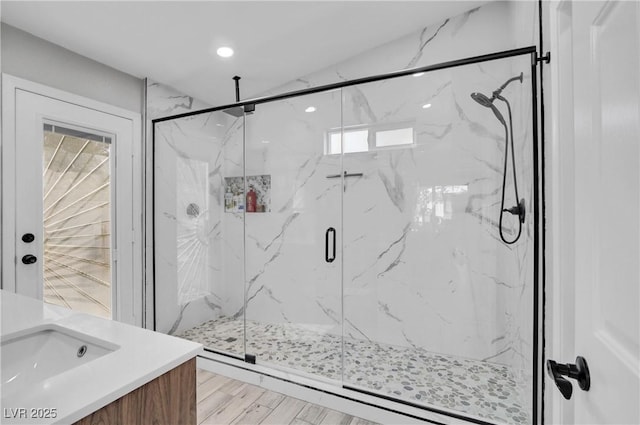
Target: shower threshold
x,y
492,392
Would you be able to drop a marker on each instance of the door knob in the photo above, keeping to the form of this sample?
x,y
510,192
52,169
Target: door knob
x,y
28,238
29,259
578,371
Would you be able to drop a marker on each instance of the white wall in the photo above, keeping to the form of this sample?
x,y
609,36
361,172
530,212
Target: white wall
x,y
27,56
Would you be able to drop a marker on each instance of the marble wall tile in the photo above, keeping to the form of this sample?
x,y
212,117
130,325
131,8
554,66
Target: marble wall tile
x,y
419,258
198,259
192,218
288,279
164,101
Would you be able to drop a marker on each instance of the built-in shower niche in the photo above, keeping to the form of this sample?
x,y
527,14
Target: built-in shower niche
x,y
257,199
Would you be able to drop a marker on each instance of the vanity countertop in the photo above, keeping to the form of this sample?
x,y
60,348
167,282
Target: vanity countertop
x,y
142,356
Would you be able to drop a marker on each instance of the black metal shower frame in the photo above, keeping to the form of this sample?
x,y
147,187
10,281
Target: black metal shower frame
x,y
538,212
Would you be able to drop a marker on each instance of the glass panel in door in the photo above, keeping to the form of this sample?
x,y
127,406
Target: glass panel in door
x,y
437,307
293,235
77,220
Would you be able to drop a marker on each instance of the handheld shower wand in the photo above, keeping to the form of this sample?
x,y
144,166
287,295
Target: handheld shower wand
x,y
518,209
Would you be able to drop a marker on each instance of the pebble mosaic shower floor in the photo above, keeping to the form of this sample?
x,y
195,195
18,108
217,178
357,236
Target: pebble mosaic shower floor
x,y
490,391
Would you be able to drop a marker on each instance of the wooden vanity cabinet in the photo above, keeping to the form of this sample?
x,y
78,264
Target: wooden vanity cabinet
x,y
169,399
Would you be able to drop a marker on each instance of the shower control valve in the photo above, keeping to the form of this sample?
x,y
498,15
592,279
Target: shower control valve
x,y
518,210
515,210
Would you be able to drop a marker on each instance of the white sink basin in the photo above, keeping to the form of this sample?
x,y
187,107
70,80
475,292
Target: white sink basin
x,y
36,354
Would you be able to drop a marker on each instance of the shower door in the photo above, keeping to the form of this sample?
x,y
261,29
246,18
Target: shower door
x,y
438,311
293,231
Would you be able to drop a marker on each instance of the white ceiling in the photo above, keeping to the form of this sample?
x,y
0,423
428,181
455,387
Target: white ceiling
x,y
174,42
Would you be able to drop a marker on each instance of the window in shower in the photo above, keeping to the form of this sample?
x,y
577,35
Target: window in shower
x,y
368,138
354,141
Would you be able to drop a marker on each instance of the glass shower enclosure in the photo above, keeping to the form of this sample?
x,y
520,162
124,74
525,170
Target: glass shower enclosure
x,y
365,234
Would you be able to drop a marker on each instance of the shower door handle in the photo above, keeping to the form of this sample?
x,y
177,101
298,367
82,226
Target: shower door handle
x,y
331,233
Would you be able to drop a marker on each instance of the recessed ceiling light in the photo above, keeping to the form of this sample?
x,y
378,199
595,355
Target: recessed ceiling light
x,y
310,109
225,52
426,106
418,74
265,141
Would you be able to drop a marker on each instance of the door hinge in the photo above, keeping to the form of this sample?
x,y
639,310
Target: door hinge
x,y
546,58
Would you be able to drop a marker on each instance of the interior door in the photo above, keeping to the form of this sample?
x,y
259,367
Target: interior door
x,y
603,39
67,206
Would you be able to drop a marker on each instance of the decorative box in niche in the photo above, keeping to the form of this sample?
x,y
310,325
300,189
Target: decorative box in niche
x,y
257,199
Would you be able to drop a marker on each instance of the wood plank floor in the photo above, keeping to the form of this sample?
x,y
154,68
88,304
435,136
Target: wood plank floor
x,y
223,400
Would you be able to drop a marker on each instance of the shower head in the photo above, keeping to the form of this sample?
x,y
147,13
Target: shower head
x,y
236,111
488,103
482,99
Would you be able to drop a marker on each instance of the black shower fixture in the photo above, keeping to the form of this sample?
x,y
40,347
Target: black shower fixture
x,y
236,111
518,209
486,102
496,93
